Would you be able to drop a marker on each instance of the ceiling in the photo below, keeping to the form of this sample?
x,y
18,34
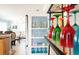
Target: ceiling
x,y
17,12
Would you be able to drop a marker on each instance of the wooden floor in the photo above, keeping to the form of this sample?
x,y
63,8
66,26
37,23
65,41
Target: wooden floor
x,y
20,47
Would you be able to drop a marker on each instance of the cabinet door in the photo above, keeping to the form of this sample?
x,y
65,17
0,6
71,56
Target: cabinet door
x,y
39,32
1,47
39,22
6,42
39,42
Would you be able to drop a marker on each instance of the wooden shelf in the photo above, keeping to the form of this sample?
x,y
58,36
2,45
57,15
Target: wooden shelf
x,y
57,50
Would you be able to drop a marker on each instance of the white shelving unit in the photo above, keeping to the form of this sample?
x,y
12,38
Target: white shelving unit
x,y
39,30
39,46
37,37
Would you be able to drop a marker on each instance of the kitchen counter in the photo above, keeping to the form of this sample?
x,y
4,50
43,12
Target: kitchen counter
x,y
57,50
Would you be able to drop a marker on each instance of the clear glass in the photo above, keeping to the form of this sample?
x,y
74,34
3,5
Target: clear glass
x,y
39,42
39,32
39,22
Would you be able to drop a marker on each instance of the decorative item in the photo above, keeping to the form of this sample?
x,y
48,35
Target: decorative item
x,y
57,30
76,43
51,30
76,27
14,27
68,32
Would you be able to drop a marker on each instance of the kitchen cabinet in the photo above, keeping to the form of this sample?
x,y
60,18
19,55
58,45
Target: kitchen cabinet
x,y
5,44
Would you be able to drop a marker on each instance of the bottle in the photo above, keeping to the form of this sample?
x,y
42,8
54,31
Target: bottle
x,y
36,50
45,50
33,50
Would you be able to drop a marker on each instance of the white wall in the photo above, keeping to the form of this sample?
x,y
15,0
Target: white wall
x,y
16,14
3,26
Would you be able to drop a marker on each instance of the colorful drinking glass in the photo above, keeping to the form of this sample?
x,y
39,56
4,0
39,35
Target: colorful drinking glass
x,y
57,30
76,43
68,32
76,37
51,30
75,26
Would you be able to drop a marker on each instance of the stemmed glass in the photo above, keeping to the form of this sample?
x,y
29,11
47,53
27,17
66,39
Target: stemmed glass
x,y
75,26
76,37
51,30
68,31
57,30
76,43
